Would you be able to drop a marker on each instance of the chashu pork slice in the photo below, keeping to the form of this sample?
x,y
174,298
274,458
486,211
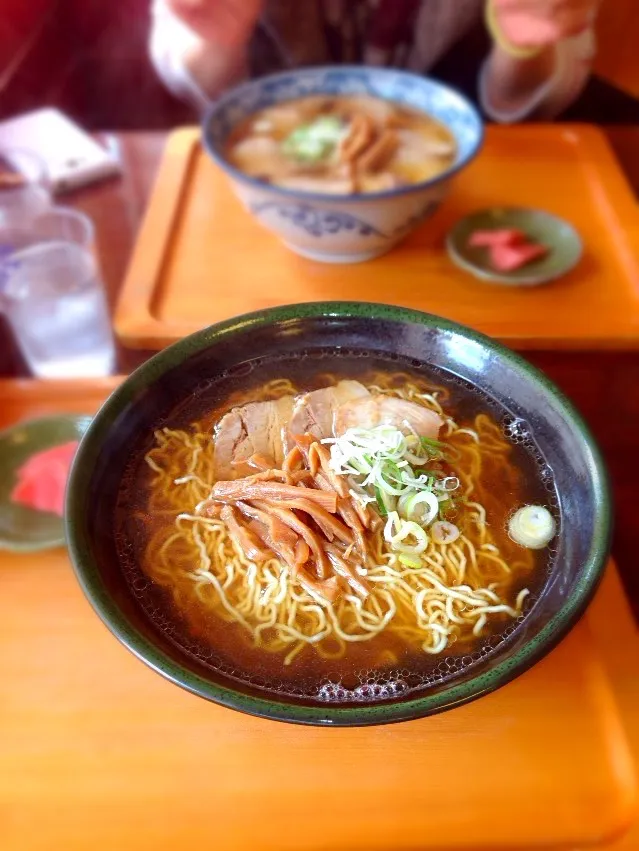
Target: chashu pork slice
x,y
314,413
259,428
387,410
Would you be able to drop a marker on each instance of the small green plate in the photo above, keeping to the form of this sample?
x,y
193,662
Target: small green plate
x,y
24,529
560,237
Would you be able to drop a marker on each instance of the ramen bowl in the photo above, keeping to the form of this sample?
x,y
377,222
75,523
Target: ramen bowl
x,y
106,562
343,228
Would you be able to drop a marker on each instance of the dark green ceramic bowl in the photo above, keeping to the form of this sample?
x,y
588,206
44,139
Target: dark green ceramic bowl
x,y
172,375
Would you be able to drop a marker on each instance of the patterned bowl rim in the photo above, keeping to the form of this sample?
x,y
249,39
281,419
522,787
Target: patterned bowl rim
x,y
211,115
453,694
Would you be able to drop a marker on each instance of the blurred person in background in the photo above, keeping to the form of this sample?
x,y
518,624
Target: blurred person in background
x,y
538,62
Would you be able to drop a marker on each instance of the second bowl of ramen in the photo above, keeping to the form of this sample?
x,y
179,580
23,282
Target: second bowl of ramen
x,y
342,162
338,513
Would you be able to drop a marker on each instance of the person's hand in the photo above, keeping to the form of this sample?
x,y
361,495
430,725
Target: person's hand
x,y
225,23
542,23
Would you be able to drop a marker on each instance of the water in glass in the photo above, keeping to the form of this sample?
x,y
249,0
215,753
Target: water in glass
x,y
55,302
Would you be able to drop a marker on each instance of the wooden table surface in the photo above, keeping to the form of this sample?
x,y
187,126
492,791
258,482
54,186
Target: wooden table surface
x,y
603,385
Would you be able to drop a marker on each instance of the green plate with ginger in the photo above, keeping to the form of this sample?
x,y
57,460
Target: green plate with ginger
x,y
559,237
25,529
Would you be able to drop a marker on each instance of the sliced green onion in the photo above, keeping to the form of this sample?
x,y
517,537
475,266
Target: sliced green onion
x,y
417,460
380,503
385,502
435,449
361,465
422,506
409,529
392,524
315,141
361,496
390,479
409,561
430,441
449,483
432,447
533,526
388,465
444,532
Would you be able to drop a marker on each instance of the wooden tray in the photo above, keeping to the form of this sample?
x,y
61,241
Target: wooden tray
x,y
98,752
201,257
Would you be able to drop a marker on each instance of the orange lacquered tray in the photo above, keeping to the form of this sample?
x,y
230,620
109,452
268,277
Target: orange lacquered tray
x,y
99,752
201,257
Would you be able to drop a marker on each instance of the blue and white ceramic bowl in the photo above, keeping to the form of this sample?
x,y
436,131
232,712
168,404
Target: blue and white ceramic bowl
x,y
344,228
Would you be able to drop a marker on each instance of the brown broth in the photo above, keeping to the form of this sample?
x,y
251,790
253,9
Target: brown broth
x,y
423,146
386,658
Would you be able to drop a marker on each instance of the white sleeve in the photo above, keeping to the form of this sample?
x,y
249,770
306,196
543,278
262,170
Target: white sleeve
x,y
573,59
170,41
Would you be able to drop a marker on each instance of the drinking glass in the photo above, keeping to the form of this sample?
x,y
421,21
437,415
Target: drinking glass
x,y
52,293
24,185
